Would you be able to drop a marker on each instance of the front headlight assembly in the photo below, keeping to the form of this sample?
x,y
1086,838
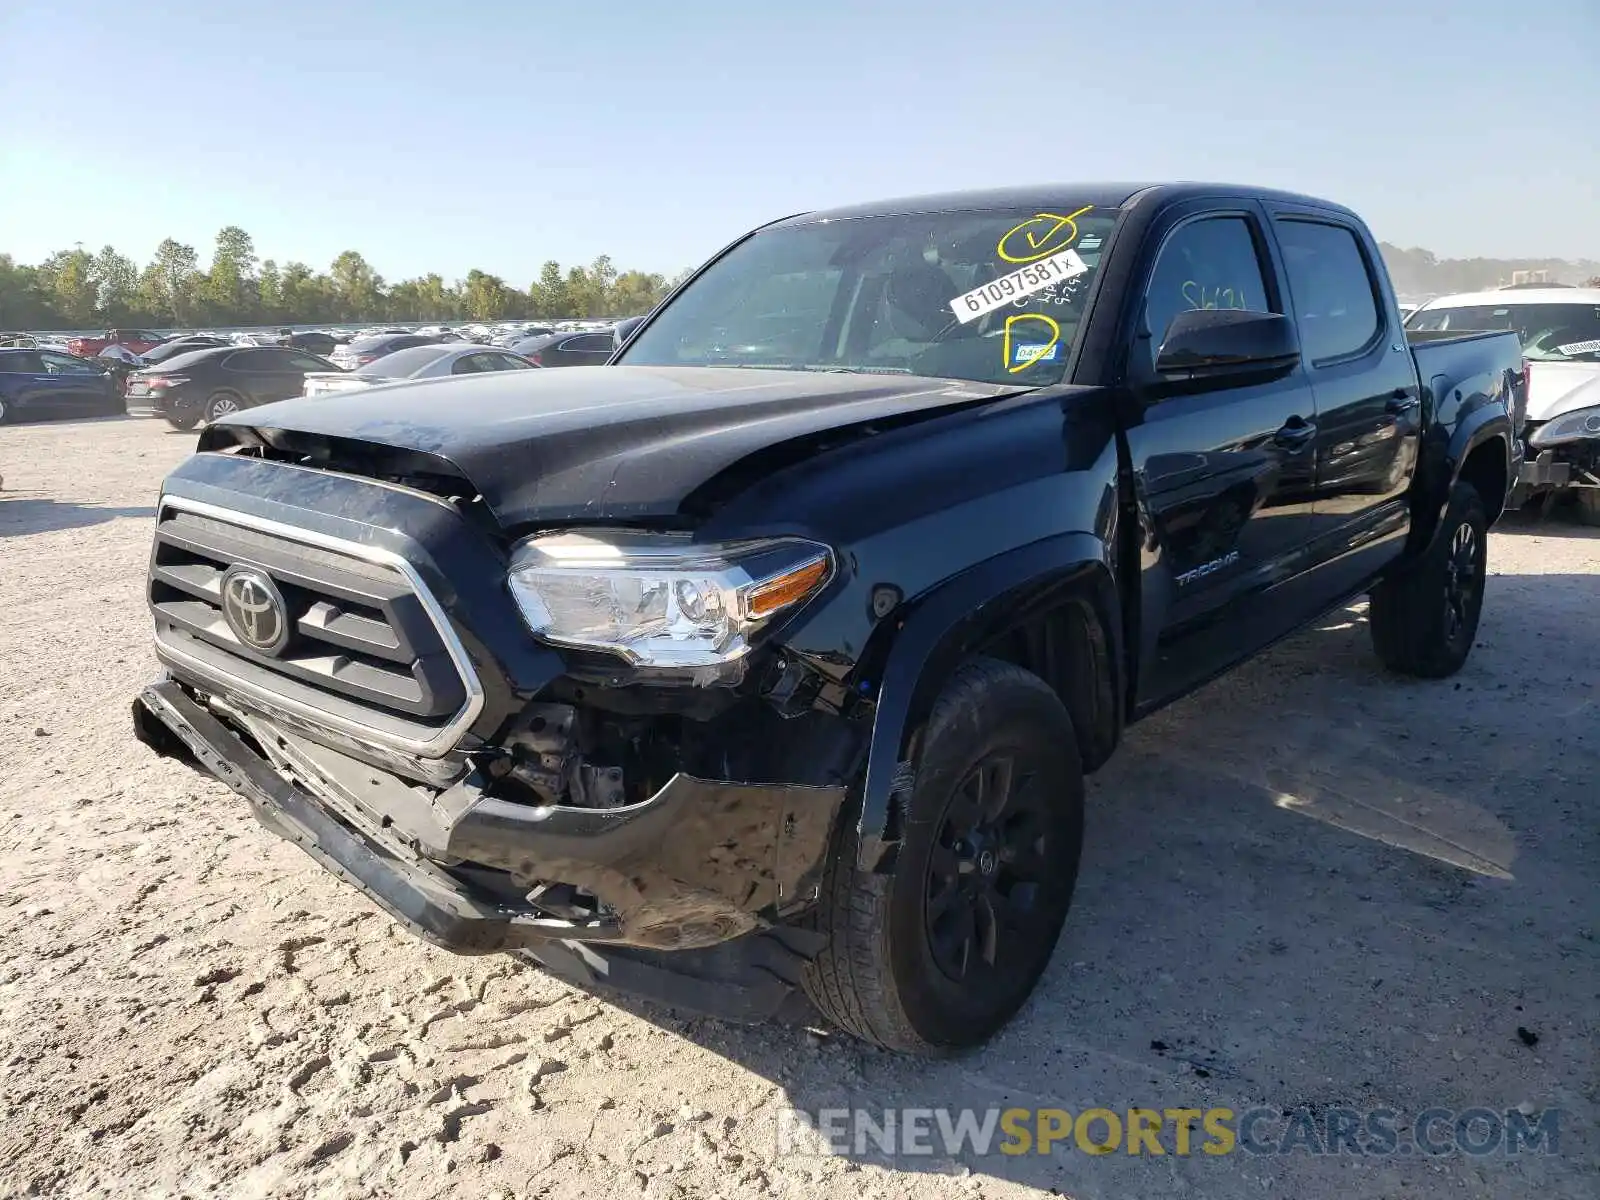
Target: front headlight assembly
x,y
1583,425
662,601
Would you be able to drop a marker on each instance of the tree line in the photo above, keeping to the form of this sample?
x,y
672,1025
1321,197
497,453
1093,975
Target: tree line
x,y
75,289
1418,272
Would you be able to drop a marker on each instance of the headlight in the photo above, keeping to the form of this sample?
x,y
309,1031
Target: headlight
x,y
661,600
1580,426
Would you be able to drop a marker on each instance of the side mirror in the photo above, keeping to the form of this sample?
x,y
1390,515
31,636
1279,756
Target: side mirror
x,y
1223,343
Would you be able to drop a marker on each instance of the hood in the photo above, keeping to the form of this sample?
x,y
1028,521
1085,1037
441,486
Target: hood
x,y
1557,388
591,443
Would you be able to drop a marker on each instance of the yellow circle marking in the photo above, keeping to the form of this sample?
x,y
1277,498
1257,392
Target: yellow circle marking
x,y
1040,236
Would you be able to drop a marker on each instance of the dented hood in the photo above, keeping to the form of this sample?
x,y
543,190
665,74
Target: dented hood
x,y
589,443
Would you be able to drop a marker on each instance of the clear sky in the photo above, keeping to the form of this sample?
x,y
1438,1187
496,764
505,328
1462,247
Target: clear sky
x,y
500,133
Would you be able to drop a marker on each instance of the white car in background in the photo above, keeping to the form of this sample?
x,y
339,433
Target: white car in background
x,y
417,362
1560,332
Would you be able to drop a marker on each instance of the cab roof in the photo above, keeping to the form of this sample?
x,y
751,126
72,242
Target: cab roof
x,y
1037,196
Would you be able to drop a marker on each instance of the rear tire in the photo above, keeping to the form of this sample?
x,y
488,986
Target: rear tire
x,y
183,421
937,955
220,405
1425,619
2,412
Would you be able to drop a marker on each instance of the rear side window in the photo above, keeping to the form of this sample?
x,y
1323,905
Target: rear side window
x,y
26,363
589,343
65,364
1334,296
1210,263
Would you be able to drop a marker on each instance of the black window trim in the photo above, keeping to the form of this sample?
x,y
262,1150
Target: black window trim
x,y
1380,335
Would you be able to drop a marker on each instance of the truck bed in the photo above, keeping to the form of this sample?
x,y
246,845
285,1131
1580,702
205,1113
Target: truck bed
x,y
1475,363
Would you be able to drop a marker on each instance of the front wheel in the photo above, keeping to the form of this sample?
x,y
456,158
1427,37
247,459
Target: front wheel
x,y
1425,618
940,952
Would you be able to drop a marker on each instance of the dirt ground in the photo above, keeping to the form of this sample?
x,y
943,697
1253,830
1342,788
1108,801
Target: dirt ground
x,y
1308,886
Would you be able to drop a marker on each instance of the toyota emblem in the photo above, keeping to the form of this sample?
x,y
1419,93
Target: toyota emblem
x,y
254,609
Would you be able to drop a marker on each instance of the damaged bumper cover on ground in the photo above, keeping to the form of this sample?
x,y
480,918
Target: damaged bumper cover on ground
x,y
699,863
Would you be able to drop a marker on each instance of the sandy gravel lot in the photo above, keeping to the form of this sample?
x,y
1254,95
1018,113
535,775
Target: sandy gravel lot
x,y
1307,886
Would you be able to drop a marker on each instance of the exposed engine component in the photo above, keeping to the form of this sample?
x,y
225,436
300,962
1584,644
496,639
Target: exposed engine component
x,y
546,756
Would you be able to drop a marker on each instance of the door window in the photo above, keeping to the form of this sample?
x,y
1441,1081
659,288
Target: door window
x,y
247,360
65,364
1210,263
505,362
26,363
589,343
1334,297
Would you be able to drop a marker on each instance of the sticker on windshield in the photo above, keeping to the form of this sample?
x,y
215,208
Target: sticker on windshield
x,y
1020,356
1036,277
1029,353
1580,347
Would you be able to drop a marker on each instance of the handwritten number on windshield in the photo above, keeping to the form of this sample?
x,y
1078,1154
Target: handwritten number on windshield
x,y
1040,236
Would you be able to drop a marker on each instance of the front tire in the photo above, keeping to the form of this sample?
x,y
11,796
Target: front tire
x,y
939,953
1425,619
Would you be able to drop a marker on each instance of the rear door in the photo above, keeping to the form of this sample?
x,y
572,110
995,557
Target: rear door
x,y
84,388
276,373
587,349
1222,475
1369,404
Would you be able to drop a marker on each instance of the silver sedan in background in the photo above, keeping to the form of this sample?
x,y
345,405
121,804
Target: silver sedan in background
x,y
418,362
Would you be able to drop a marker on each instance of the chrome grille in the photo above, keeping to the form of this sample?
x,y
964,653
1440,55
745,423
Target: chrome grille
x,y
370,652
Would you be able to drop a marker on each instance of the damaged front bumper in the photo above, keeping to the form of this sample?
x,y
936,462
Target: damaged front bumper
x,y
700,863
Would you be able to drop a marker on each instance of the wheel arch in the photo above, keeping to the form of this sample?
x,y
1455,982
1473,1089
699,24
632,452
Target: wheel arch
x,y
1479,453
1487,467
1051,608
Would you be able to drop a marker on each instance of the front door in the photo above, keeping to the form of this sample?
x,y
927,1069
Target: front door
x,y
1223,477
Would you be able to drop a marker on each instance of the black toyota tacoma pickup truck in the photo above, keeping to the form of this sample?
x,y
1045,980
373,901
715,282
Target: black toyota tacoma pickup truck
x,y
773,654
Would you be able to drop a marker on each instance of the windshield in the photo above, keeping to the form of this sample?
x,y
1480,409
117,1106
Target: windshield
x,y
992,296
1549,332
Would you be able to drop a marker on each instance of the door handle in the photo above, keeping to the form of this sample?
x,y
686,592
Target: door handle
x,y
1401,401
1296,432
